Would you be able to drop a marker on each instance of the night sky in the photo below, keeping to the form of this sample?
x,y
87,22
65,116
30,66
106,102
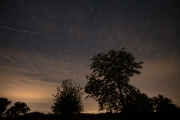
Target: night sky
x,y
45,42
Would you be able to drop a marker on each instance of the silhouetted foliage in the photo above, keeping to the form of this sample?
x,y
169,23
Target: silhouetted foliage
x,y
34,114
164,104
138,102
109,81
4,102
68,100
19,109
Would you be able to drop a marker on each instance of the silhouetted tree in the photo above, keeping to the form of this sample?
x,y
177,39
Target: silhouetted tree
x,y
138,102
34,114
19,109
4,102
164,104
68,100
109,81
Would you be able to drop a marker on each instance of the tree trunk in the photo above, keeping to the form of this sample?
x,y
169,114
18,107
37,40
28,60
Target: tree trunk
x,y
124,106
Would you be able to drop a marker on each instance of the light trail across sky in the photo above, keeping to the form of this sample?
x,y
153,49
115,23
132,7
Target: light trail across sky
x,y
18,30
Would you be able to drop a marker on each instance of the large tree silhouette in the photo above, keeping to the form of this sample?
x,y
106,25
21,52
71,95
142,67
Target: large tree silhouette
x,y
109,81
68,100
18,109
4,102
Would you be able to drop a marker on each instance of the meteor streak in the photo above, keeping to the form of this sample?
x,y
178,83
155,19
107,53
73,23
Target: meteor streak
x,y
18,30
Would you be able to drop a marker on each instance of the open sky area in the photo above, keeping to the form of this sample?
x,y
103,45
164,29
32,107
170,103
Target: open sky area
x,y
43,42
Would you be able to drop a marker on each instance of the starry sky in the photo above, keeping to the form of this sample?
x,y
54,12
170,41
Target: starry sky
x,y
43,42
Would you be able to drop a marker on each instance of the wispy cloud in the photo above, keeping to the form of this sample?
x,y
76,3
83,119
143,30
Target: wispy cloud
x,y
32,77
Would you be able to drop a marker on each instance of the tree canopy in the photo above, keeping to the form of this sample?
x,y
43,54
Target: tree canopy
x,y
18,109
138,102
68,100
163,104
4,102
109,81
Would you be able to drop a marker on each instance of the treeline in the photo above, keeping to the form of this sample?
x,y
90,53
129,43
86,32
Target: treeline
x,y
161,107
109,85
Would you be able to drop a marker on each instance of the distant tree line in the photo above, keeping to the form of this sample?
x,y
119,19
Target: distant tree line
x,y
19,109
108,84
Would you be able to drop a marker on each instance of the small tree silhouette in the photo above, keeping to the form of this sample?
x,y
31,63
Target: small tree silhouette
x,y
19,109
164,104
68,101
4,102
137,102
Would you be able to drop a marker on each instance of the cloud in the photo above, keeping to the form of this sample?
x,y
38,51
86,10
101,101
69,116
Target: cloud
x,y
33,77
41,66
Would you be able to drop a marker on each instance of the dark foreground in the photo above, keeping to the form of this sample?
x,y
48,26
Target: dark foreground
x,y
104,116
